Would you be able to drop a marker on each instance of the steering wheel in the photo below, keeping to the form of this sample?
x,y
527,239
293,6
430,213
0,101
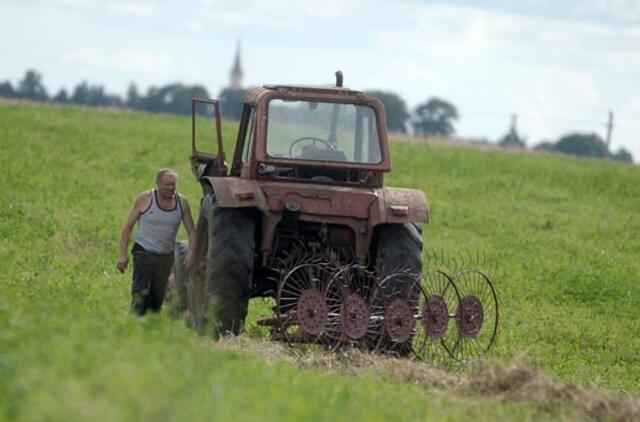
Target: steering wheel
x,y
313,139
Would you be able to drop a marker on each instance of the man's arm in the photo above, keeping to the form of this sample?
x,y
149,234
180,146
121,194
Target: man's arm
x,y
134,214
187,220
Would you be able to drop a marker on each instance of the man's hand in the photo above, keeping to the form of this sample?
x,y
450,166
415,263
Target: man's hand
x,y
123,261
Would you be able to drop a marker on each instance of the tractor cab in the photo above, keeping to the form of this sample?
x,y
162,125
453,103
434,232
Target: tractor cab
x,y
327,135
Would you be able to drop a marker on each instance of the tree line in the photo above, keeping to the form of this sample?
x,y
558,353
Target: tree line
x,y
171,98
436,116
433,117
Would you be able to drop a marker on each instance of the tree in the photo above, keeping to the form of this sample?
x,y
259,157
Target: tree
x,y
172,98
231,100
623,155
434,117
395,109
547,146
6,90
81,93
582,144
31,86
61,96
94,95
133,96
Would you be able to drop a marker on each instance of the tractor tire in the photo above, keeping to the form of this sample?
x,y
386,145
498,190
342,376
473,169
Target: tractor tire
x,y
398,247
180,278
229,267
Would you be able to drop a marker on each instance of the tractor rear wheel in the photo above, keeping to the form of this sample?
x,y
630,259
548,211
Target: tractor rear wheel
x,y
398,247
230,256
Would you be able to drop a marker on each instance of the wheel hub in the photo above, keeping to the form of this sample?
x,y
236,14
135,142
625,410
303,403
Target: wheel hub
x,y
399,320
312,311
470,317
355,316
435,316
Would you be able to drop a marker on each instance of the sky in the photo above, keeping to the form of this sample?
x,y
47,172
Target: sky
x,y
560,66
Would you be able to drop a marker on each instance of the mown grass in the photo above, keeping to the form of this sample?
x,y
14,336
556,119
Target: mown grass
x,y
564,234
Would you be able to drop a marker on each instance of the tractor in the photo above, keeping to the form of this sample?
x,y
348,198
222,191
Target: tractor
x,y
302,216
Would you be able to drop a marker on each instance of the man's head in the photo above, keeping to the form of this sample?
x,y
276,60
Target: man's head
x,y
166,180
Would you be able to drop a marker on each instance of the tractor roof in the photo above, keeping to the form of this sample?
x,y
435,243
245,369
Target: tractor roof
x,y
319,92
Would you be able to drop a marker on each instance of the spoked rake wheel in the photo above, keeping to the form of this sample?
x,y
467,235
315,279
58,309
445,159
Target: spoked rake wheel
x,y
355,308
476,316
436,326
402,295
302,311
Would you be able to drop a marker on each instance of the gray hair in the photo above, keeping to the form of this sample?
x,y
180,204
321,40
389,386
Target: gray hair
x,y
163,171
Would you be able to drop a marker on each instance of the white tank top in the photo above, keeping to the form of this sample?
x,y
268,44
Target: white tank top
x,y
157,227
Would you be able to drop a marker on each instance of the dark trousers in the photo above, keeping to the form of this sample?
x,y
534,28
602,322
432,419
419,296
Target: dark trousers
x,y
150,274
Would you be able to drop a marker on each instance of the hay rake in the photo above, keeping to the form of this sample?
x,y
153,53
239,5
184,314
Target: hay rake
x,y
434,315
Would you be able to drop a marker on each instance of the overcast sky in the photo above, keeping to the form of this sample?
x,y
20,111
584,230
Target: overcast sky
x,y
559,65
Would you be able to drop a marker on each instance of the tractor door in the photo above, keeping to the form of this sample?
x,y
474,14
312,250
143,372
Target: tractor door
x,y
207,152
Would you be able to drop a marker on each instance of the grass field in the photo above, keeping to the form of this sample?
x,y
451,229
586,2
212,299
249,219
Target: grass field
x,y
564,235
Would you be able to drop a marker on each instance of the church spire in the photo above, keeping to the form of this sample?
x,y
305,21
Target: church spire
x,y
235,76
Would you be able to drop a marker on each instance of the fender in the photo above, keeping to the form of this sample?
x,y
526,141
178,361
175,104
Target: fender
x,y
234,192
401,205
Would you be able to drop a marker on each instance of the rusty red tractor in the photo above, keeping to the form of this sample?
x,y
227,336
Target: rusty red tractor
x,y
303,216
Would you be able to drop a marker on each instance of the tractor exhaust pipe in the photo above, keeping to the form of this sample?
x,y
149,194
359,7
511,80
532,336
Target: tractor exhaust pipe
x,y
338,79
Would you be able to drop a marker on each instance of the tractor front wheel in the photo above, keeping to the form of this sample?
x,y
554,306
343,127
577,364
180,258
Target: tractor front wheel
x,y
230,256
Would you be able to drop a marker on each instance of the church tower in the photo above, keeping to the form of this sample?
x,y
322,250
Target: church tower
x,y
235,76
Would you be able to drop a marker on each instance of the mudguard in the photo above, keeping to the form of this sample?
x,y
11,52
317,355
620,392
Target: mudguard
x,y
401,205
234,192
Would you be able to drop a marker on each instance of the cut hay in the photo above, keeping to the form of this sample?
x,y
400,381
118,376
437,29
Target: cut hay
x,y
495,380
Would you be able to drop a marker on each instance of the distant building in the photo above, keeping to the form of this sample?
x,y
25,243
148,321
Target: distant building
x,y
235,76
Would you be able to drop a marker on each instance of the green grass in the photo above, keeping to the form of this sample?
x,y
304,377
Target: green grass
x,y
564,233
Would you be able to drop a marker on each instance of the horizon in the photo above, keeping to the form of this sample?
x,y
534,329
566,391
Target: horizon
x,y
559,67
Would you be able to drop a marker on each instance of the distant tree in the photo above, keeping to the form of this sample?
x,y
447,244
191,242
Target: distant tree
x,y
94,95
133,96
172,98
231,100
434,117
623,155
31,86
61,96
81,93
545,146
582,144
6,90
395,109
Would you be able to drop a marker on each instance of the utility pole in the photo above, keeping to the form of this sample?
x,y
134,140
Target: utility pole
x,y
609,130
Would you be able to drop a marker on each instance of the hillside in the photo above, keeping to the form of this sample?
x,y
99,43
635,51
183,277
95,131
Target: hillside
x,y
563,234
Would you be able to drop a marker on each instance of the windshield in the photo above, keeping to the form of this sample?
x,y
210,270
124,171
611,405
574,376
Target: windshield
x,y
319,131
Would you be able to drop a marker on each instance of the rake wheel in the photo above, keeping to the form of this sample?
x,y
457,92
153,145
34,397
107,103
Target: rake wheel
x,y
435,330
401,299
355,308
301,308
476,316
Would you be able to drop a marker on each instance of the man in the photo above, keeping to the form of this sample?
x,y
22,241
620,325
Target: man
x,y
159,212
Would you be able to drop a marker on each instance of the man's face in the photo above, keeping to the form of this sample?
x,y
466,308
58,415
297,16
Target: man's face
x,y
167,186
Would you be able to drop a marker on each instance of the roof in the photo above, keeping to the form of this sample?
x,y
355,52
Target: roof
x,y
324,91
